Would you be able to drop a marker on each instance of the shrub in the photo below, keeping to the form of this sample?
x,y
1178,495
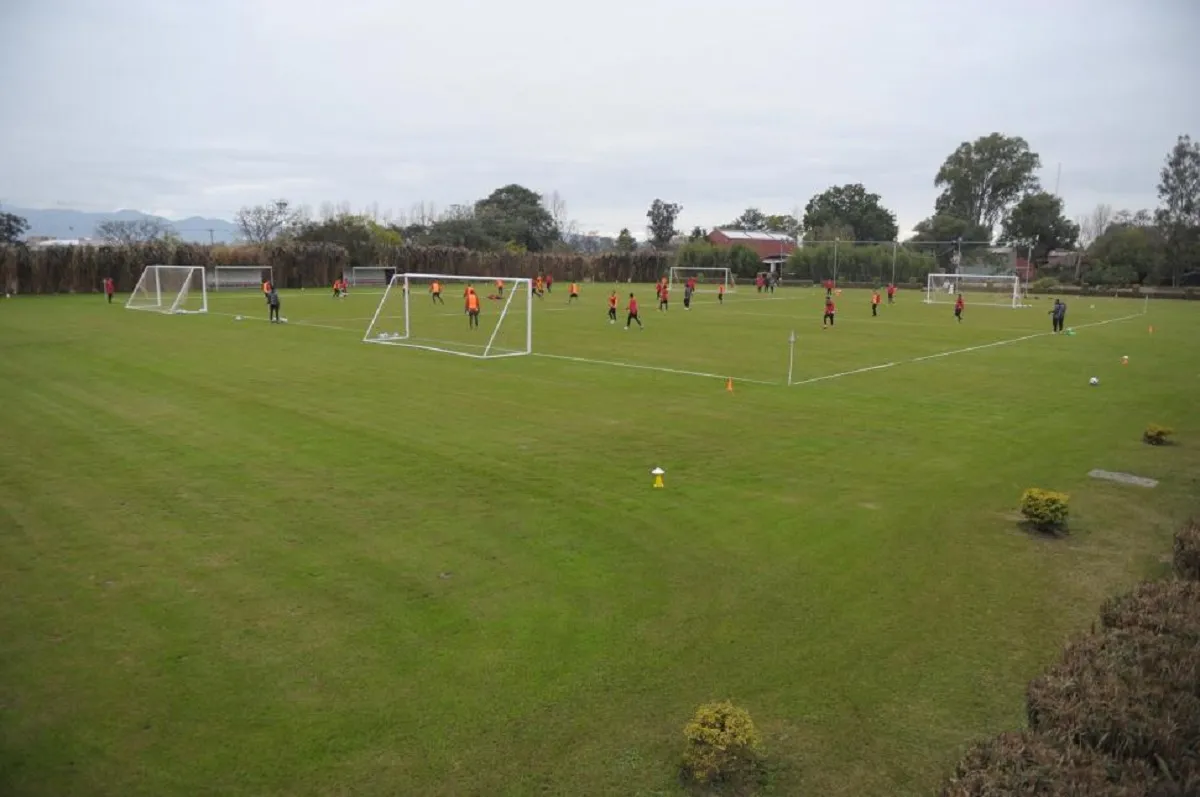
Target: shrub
x,y
1028,764
1161,607
1127,692
1045,510
1187,551
723,749
1157,435
1043,285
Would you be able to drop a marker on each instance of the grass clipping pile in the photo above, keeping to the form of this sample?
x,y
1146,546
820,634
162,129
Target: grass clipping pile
x,y
1119,714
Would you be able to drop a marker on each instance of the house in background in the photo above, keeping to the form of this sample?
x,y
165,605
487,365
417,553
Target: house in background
x,y
772,248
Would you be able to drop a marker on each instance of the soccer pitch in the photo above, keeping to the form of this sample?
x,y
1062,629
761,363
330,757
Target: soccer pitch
x,y
249,559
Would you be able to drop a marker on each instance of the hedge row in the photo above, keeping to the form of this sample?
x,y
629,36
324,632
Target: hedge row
x,y
82,269
1119,714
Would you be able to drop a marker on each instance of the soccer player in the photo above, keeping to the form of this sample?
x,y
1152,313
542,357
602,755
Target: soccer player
x,y
758,282
500,288
109,288
875,302
574,292
273,305
828,288
1058,315
663,299
266,288
771,283
612,307
338,290
891,291
633,313
472,308
829,312
721,293
958,308
435,292
549,281
688,287
539,287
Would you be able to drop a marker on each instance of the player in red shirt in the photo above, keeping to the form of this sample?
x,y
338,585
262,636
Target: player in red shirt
x,y
828,288
663,298
891,293
633,313
829,311
109,289
612,307
958,308
549,282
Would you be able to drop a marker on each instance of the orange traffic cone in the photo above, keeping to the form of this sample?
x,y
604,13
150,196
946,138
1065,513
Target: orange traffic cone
x,y
1151,330
729,384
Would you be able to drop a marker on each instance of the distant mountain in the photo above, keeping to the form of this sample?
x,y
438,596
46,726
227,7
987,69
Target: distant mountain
x,y
61,223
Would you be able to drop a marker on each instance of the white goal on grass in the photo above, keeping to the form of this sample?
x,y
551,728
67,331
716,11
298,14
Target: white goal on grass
x,y
170,289
412,314
368,276
231,278
1001,290
708,279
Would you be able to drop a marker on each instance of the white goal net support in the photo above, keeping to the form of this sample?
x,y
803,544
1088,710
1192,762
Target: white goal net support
x,y
430,311
170,289
999,290
241,278
708,280
367,276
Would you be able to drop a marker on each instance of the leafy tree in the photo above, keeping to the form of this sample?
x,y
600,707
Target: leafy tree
x,y
625,241
854,207
785,223
363,238
261,223
1128,218
944,236
515,213
698,234
829,233
1124,254
981,180
1093,225
751,219
139,231
1037,221
1179,214
744,261
662,217
12,227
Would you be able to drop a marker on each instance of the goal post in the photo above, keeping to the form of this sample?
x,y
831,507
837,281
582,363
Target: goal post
x,y
999,290
233,278
429,311
708,278
170,289
368,276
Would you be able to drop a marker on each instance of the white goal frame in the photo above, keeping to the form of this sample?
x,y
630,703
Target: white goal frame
x,y
673,281
943,288
362,275
241,284
165,298
518,287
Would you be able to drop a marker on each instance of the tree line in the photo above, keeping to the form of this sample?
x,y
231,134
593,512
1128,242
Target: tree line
x,y
989,194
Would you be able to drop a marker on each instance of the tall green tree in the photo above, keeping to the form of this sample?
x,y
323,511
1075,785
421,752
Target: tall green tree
x,y
1037,222
363,238
1179,213
662,216
1125,254
515,214
982,179
12,227
698,234
943,236
854,207
625,241
751,219
785,223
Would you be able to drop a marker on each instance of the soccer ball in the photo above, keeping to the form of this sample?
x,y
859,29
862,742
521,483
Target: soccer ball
x,y
237,318
1093,381
283,320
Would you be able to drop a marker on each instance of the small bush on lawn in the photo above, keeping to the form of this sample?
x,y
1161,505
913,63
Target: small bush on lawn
x,y
1129,693
1157,435
1024,763
1161,607
1045,510
1187,551
724,749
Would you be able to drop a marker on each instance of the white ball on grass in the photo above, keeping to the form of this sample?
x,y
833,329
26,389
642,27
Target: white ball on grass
x,y
1093,381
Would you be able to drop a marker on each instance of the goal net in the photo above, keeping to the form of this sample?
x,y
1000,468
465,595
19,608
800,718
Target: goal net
x,y
430,311
1001,290
707,279
170,289
241,278
368,276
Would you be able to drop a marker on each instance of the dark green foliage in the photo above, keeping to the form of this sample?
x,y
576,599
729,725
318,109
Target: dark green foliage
x,y
12,227
1037,222
1187,551
515,214
862,264
982,179
1024,763
853,208
662,216
1130,693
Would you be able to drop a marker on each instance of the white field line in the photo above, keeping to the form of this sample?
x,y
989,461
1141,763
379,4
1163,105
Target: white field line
x,y
661,369
964,350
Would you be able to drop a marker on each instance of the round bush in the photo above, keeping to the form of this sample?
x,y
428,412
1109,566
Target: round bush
x,y
1128,692
723,748
1024,763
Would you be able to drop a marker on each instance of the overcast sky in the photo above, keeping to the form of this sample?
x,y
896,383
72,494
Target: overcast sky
x,y
184,107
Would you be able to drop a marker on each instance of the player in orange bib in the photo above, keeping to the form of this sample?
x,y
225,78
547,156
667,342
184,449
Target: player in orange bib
x,y
612,307
500,289
472,309
435,292
573,292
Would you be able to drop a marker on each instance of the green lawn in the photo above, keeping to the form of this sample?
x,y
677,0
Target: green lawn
x,y
243,559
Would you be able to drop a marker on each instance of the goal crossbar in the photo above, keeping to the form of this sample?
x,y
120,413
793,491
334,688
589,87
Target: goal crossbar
x,y
679,275
999,290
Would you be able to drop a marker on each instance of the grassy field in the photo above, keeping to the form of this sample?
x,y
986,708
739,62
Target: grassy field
x,y
244,559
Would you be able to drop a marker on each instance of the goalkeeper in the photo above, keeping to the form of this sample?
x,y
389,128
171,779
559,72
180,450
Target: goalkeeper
x,y
273,304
